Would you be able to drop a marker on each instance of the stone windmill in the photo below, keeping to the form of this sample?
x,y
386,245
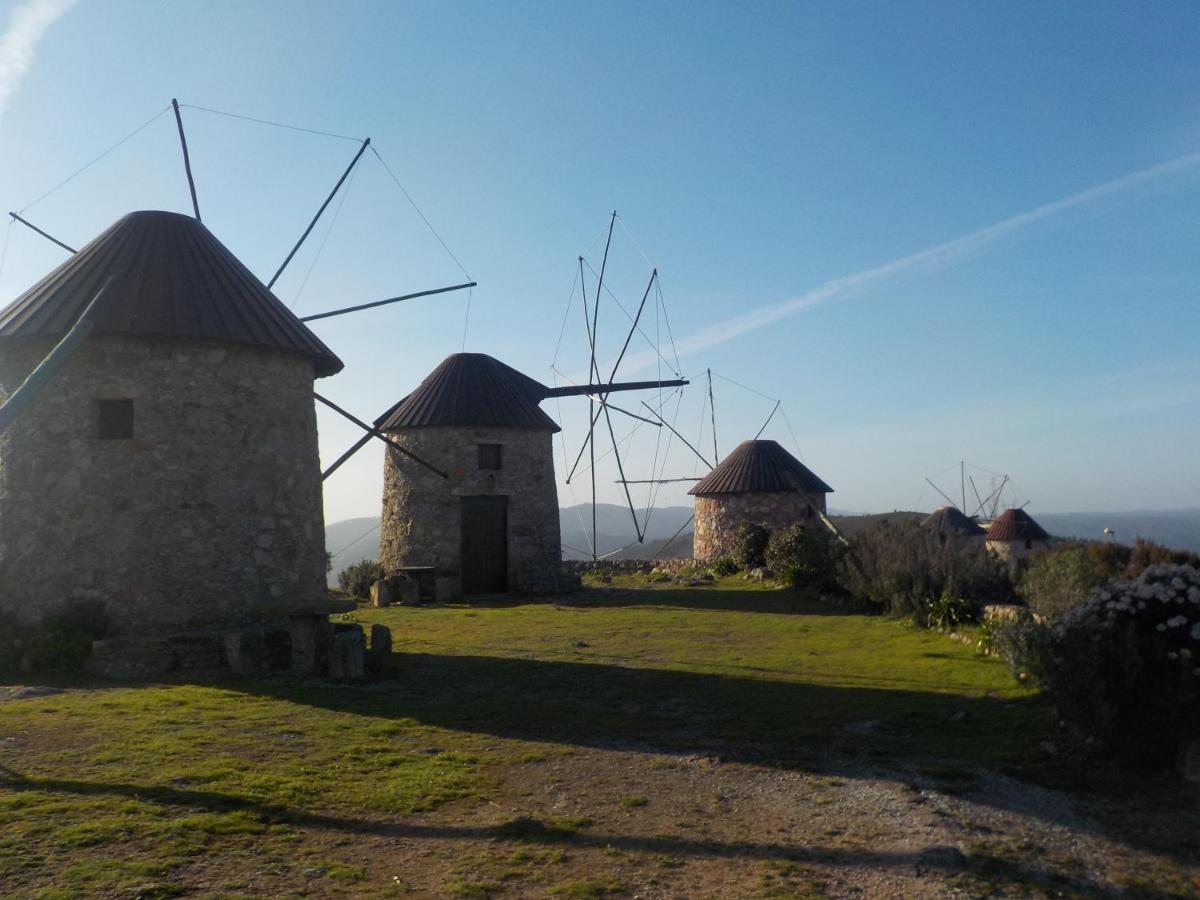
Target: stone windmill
x,y
158,446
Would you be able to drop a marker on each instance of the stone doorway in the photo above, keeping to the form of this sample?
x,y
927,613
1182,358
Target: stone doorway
x,y
484,544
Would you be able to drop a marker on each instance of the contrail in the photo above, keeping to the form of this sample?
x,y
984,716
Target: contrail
x,y
935,257
26,26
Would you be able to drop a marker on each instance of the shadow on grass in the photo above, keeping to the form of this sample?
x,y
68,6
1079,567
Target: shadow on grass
x,y
933,740
944,860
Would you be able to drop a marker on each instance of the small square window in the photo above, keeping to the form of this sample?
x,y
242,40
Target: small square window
x,y
114,419
489,456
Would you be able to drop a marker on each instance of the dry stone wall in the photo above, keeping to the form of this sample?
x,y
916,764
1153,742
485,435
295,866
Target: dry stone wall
x,y
421,522
210,515
719,517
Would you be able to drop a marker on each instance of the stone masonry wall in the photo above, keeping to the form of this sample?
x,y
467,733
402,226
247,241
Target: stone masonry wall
x,y
421,523
719,517
208,516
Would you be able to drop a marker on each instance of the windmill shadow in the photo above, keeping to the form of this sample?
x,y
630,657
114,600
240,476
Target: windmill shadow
x,y
898,732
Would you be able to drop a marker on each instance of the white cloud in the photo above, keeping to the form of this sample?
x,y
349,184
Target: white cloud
x,y
936,257
26,26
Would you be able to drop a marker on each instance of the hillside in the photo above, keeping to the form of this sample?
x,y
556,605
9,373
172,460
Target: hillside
x,y
355,539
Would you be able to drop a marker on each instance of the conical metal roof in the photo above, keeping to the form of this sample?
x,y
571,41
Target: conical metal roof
x,y
471,389
173,279
1016,525
950,520
759,467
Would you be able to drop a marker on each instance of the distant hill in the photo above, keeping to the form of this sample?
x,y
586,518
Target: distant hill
x,y
359,538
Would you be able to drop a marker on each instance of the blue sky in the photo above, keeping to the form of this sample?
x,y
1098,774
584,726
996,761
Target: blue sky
x,y
813,156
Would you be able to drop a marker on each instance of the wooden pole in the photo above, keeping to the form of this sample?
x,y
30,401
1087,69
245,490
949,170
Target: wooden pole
x,y
357,156
48,237
23,396
376,433
187,161
361,306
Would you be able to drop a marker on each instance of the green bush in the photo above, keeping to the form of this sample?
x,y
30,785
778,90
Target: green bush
x,y
946,612
1061,579
723,566
900,568
356,580
59,643
1123,667
805,556
750,546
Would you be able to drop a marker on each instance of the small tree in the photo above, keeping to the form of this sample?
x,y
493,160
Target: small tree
x,y
1060,579
806,556
356,580
750,546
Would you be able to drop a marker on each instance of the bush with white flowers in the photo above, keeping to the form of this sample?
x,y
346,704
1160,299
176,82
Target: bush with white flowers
x,y
1125,666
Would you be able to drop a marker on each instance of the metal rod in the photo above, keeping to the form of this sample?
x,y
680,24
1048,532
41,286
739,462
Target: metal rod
x,y
768,422
187,160
48,237
376,433
612,406
671,540
621,471
592,469
658,480
361,306
632,328
587,323
20,399
712,409
357,156
975,491
686,442
359,444
962,478
940,491
600,289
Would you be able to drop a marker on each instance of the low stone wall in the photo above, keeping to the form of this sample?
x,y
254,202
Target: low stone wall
x,y
582,567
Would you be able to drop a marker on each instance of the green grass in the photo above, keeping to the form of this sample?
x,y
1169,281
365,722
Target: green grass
x,y
107,790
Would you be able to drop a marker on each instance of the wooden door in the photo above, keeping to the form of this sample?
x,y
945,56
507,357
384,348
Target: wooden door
x,y
484,544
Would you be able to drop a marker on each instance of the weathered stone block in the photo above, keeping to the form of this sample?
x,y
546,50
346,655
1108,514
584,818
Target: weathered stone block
x,y
310,639
381,594
380,654
406,591
244,651
348,656
196,652
131,659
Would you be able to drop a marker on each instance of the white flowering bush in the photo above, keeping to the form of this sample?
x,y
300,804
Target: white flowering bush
x,y
1125,665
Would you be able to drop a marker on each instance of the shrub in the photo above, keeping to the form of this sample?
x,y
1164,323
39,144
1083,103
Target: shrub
x,y
356,580
59,643
723,566
947,611
750,546
901,567
806,556
1125,666
1061,579
1147,553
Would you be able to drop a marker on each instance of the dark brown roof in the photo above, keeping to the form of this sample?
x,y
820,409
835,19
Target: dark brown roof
x,y
471,389
174,280
950,520
1016,525
759,467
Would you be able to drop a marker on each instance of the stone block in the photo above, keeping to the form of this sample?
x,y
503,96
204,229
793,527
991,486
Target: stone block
x,y
131,658
381,594
348,656
448,589
310,638
196,651
243,651
1189,761
406,591
380,654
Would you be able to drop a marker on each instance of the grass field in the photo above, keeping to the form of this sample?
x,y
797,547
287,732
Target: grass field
x,y
717,740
